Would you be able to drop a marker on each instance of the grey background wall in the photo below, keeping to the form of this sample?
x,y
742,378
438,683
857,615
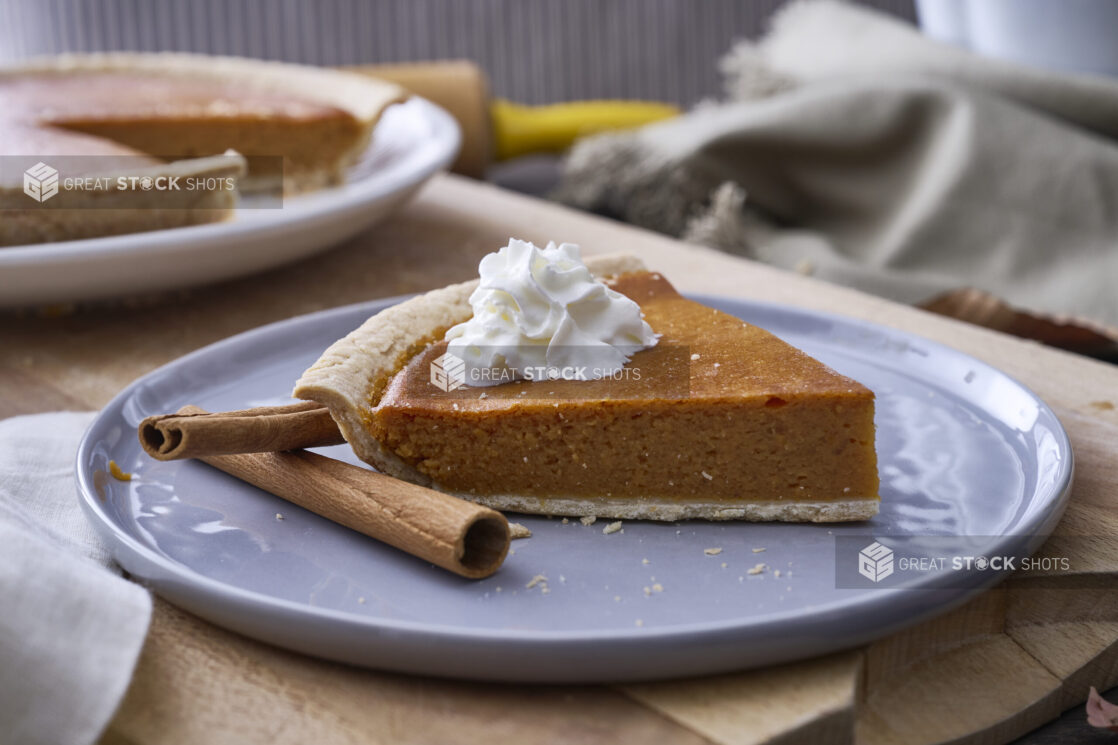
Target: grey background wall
x,y
535,51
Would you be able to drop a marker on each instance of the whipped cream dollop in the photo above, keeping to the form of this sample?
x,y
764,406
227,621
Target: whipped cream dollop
x,y
539,314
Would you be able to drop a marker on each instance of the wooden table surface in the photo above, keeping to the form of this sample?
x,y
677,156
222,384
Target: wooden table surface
x,y
985,673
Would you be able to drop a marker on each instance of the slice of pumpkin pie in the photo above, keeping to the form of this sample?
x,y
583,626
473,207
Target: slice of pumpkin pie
x,y
562,388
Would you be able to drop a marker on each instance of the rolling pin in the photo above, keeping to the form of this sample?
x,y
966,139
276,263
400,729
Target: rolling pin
x,y
495,129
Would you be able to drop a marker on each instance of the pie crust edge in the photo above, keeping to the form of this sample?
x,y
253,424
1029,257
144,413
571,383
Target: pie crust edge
x,y
349,91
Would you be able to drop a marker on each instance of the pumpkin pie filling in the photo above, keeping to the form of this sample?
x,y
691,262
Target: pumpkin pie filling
x,y
175,118
756,420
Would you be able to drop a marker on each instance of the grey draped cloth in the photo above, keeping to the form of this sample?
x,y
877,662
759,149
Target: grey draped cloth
x,y
855,149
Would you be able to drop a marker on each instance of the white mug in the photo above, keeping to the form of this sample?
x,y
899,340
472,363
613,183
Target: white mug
x,y
1068,35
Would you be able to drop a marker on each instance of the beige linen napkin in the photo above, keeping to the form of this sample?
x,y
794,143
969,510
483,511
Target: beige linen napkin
x,y
855,149
817,40
71,628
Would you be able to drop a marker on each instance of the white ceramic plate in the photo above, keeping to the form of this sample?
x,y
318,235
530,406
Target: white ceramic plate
x,y
968,457
412,142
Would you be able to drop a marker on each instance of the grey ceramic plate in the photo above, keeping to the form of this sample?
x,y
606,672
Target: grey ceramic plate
x,y
964,451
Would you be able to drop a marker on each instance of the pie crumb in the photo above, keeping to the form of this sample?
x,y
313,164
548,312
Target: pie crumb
x,y
657,587
566,521
612,528
588,520
647,591
724,565
712,551
279,515
517,530
776,573
758,550
757,569
539,579
695,357
118,474
645,561
707,476
361,600
639,623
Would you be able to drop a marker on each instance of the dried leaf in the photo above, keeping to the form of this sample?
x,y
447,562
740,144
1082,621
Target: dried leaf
x,y
1100,712
1075,334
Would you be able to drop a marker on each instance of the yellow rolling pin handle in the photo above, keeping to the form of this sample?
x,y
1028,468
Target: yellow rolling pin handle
x,y
524,130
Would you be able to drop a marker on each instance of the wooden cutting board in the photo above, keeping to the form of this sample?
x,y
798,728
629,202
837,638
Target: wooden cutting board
x,y
983,673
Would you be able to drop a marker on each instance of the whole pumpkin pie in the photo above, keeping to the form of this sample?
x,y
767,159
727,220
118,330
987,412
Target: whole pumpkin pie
x,y
295,127
722,419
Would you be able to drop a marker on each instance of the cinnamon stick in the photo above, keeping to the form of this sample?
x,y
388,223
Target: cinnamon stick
x,y
195,433
463,537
